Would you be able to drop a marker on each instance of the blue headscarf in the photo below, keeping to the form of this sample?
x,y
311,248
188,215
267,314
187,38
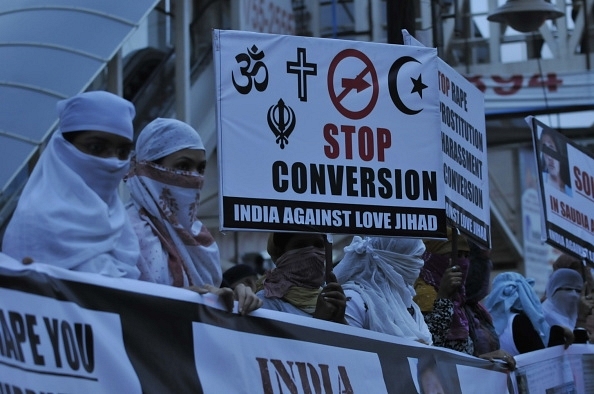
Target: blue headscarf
x,y
513,293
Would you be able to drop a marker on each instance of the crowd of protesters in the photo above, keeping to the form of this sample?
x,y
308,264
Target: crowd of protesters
x,y
71,215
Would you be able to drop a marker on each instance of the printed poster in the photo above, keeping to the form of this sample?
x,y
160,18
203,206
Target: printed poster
x,y
328,136
464,149
566,179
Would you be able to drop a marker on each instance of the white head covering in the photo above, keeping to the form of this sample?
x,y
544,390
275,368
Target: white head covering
x,y
561,306
383,271
69,213
162,137
168,200
511,293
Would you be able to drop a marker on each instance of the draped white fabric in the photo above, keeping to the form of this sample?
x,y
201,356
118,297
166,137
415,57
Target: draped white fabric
x,y
383,271
563,297
176,248
69,213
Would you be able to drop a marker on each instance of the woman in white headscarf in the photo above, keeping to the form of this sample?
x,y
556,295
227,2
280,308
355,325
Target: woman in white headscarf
x,y
69,213
378,274
165,180
563,297
518,316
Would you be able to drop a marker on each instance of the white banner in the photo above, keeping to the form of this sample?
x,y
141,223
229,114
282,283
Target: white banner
x,y
329,136
566,176
72,332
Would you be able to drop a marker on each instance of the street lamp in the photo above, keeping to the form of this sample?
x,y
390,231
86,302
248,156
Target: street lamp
x,y
525,15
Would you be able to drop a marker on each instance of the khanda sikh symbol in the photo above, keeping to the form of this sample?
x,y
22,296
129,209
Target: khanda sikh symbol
x,y
281,120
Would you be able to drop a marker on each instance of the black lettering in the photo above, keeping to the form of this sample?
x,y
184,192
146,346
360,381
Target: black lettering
x,y
367,182
299,177
69,342
33,339
351,181
85,345
317,179
52,331
279,175
385,190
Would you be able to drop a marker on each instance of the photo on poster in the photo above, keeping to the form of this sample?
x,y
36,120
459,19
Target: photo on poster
x,y
431,376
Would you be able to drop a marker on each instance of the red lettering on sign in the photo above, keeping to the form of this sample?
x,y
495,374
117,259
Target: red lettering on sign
x,y
368,142
551,83
584,182
478,82
513,84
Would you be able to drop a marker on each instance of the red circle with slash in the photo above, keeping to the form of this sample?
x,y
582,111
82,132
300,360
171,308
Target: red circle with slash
x,y
357,83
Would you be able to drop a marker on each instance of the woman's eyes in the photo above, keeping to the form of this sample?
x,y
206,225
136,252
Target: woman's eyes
x,y
188,166
123,152
182,166
96,148
103,149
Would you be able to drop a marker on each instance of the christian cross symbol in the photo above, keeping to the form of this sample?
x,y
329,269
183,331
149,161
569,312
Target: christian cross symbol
x,y
302,68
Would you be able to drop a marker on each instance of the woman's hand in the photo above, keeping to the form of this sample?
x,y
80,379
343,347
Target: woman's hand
x,y
450,282
331,303
224,293
568,336
247,300
502,355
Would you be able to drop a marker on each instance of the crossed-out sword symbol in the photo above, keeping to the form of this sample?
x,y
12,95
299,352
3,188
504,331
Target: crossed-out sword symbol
x,y
281,120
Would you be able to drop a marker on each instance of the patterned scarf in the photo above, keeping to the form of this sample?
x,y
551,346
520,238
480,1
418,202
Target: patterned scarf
x,y
297,277
432,272
168,200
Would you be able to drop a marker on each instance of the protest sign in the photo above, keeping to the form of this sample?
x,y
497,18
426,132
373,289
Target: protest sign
x,y
566,178
464,149
328,136
556,370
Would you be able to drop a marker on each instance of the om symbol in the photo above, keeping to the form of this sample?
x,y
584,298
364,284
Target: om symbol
x,y
250,71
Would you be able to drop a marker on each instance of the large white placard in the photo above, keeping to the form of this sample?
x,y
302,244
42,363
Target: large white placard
x,y
328,136
464,148
566,177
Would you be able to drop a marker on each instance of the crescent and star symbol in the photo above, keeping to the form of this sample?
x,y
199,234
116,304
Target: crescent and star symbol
x,y
418,85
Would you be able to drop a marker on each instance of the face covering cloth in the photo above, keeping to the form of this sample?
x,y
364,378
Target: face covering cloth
x,y
176,248
383,271
69,213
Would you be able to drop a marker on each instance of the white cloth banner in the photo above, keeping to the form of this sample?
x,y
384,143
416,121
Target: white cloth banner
x,y
71,332
330,136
